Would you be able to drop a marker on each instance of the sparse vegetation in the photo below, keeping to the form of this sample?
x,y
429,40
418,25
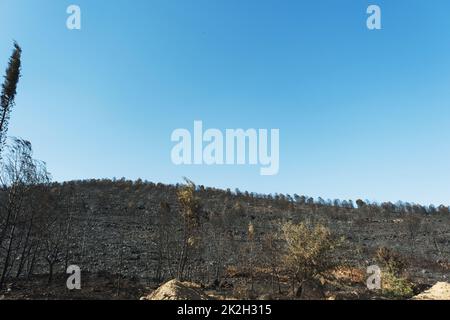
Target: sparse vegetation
x,y
397,287
309,251
236,244
391,261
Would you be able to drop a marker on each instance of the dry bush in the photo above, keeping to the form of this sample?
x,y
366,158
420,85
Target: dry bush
x,y
309,251
349,274
393,262
394,285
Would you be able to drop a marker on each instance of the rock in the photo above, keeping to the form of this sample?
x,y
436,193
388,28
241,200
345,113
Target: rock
x,y
176,290
440,291
265,297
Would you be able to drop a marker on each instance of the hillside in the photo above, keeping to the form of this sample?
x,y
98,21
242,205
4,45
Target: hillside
x,y
134,229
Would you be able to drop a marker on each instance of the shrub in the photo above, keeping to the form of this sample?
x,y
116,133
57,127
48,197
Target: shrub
x,y
394,286
308,250
391,261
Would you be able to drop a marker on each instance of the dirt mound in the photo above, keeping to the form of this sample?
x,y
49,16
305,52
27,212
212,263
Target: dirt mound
x,y
440,291
176,290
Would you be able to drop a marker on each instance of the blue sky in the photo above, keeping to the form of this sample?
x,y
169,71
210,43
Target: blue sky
x,y
362,114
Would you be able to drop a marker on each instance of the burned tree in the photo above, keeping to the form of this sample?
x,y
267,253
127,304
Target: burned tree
x,y
191,210
308,250
20,173
9,90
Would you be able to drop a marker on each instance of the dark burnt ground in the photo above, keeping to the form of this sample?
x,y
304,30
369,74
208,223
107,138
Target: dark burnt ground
x,y
94,286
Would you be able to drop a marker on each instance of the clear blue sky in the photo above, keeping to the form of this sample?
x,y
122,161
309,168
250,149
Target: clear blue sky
x,y
362,114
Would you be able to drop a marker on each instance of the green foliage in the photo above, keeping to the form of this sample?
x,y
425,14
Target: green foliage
x,y
190,205
394,285
308,250
397,287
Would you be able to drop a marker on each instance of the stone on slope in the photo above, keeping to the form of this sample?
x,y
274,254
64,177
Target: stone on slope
x,y
177,290
440,291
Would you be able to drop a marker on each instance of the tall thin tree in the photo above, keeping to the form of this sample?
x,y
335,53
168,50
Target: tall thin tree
x,y
9,90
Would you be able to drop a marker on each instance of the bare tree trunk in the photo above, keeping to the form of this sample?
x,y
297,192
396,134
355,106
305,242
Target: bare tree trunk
x,y
50,271
11,200
25,250
67,242
7,258
119,273
30,268
183,254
